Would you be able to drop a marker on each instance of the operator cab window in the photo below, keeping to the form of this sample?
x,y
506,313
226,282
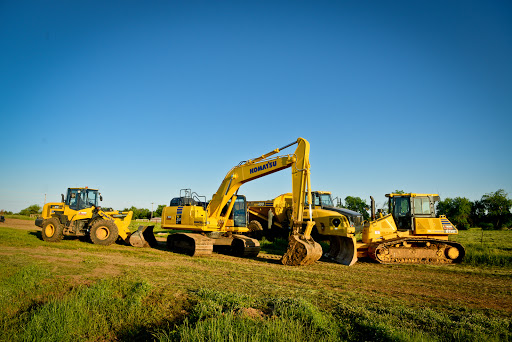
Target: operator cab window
x,y
422,206
401,207
92,199
72,199
326,200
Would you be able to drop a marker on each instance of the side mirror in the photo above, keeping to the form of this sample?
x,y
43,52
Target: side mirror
x,y
101,198
62,195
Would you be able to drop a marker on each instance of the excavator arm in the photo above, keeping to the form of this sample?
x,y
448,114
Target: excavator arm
x,y
302,249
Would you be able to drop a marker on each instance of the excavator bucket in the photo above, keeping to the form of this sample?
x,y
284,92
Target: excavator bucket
x,y
343,250
301,252
143,237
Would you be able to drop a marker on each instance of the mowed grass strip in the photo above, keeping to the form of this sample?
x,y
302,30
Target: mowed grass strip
x,y
73,290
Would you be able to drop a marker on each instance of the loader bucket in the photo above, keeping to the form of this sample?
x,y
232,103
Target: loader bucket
x,y
343,250
143,237
301,252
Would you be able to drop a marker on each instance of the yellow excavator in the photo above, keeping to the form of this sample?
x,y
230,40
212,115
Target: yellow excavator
x,y
80,215
221,222
410,234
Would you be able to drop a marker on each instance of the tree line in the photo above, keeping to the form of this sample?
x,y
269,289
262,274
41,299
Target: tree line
x,y
492,211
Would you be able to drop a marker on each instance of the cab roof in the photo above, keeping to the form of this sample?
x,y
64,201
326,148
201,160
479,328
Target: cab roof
x,y
86,188
411,195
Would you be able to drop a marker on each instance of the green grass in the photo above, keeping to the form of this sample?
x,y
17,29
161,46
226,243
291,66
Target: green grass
x,y
76,291
20,217
486,248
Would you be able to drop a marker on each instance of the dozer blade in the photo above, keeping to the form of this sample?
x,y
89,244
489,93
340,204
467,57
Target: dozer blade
x,y
301,252
143,237
343,250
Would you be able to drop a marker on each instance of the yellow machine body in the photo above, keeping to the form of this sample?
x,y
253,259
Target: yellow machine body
x,y
410,233
78,213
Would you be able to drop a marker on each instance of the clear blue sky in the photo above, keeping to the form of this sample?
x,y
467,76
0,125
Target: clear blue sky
x,y
141,99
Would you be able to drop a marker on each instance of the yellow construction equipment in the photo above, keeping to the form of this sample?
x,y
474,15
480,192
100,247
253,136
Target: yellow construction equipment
x,y
222,221
79,215
272,218
410,234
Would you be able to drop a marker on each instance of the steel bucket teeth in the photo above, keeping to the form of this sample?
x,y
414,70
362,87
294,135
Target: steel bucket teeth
x,y
143,237
301,252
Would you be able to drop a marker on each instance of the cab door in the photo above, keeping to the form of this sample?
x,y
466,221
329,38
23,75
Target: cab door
x,y
240,212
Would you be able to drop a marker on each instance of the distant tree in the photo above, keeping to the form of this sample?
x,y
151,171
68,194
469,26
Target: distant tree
x,y
497,207
399,192
357,204
139,213
33,209
158,211
458,210
478,213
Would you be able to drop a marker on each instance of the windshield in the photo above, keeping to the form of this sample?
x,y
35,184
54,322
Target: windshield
x,y
320,200
326,200
401,206
78,199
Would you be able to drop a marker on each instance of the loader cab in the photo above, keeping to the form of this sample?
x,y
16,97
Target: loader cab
x,y
405,207
82,198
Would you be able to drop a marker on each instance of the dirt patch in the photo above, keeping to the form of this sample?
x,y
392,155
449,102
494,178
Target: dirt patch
x,y
19,224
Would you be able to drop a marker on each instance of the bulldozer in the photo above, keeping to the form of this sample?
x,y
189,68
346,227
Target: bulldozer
x,y
80,215
272,219
222,222
410,234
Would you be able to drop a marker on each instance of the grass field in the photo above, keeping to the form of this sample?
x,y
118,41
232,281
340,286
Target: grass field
x,y
73,290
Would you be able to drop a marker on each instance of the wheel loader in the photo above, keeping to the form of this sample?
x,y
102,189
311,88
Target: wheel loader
x,y
272,219
222,222
410,234
80,215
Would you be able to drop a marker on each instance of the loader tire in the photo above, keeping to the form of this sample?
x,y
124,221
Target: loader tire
x,y
104,233
52,230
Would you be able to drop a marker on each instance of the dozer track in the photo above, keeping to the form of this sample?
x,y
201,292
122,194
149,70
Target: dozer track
x,y
417,251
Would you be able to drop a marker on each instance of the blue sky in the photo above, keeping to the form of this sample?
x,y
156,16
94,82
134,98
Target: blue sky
x,y
142,99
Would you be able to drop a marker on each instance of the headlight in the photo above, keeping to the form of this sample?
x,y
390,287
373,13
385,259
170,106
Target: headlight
x,y
336,222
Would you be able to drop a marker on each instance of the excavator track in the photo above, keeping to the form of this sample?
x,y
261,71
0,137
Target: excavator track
x,y
245,246
417,251
190,244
